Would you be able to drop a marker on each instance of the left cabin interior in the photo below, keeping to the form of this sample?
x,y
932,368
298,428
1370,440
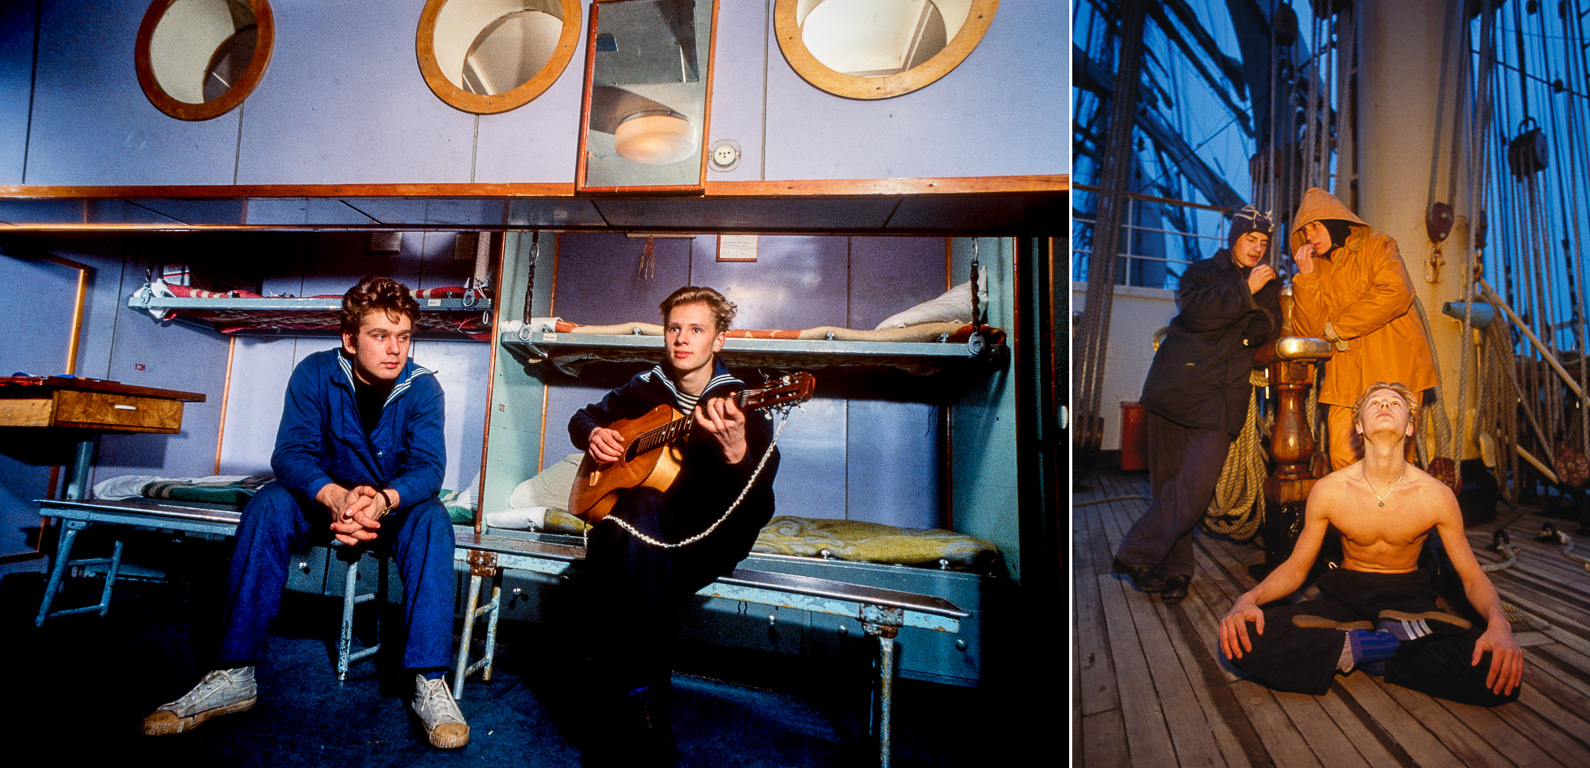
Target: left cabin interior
x,y
137,221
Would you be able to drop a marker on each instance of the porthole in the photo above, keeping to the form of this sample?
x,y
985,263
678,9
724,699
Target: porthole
x,y
197,59
489,56
875,49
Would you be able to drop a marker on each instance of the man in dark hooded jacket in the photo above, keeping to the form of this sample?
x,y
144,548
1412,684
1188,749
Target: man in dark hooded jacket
x,y
1196,395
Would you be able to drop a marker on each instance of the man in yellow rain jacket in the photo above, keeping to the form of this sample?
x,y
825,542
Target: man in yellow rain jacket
x,y
1352,288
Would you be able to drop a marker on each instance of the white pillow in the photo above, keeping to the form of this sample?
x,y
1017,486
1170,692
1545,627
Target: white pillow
x,y
954,306
521,519
550,488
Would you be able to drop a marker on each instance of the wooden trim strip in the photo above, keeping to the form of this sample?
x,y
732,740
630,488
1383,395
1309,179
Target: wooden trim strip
x,y
226,394
950,185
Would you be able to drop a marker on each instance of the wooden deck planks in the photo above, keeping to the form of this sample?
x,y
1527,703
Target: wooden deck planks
x,y
1156,691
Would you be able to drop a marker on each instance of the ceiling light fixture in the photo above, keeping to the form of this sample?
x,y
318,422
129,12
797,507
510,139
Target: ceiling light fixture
x,y
655,137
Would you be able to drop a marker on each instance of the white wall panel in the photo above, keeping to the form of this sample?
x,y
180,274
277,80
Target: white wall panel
x,y
343,102
460,368
1004,111
92,124
540,141
737,77
260,370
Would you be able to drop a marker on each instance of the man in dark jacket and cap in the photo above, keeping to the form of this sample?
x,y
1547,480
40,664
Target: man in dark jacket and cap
x,y
1196,395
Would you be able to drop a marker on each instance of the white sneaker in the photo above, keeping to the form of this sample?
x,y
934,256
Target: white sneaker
x,y
221,692
434,703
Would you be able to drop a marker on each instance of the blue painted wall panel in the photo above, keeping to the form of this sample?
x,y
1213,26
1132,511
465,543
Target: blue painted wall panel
x,y
37,326
737,86
17,22
795,282
891,274
91,122
343,102
811,472
1003,111
892,463
36,343
540,141
599,279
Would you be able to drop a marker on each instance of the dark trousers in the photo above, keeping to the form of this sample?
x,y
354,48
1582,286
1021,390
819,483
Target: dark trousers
x,y
1183,468
276,522
1304,659
633,589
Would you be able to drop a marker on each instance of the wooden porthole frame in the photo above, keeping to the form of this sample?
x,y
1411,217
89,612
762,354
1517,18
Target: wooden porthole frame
x,y
234,96
820,75
481,104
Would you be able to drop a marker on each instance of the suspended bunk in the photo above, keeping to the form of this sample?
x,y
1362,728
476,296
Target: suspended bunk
x,y
457,312
922,349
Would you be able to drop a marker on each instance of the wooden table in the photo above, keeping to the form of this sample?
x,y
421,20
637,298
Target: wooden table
x,y
88,407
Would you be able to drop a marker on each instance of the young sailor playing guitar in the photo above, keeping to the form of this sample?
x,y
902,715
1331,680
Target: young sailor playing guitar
x,y
635,585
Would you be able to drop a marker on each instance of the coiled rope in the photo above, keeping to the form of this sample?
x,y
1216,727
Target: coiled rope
x,y
1236,509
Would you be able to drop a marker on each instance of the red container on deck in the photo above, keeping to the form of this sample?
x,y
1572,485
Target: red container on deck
x,y
1134,436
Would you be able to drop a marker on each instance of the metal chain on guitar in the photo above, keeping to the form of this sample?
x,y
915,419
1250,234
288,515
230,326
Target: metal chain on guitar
x,y
783,419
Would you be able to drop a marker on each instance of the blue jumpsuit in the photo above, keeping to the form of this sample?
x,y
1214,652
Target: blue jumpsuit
x,y
321,440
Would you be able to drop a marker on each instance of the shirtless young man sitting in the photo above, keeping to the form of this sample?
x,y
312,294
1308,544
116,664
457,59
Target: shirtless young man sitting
x,y
1378,610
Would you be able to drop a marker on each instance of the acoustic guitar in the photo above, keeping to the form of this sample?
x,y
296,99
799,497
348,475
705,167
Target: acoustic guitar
x,y
652,458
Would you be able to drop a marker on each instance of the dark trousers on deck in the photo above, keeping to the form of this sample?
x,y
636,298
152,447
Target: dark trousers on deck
x,y
1304,659
277,522
1183,468
634,589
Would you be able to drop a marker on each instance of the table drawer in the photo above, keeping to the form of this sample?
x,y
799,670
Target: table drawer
x,y
112,411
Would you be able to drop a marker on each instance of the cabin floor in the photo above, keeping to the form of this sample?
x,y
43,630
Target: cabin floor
x,y
1151,687
82,684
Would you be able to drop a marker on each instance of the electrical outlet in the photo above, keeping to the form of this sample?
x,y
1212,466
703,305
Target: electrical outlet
x,y
725,155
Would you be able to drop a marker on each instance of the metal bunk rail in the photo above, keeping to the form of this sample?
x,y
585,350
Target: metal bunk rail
x,y
543,344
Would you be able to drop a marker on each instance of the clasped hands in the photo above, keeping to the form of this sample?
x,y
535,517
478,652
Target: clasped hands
x,y
355,512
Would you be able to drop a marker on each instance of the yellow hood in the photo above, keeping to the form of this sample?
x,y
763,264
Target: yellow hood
x,y
1319,205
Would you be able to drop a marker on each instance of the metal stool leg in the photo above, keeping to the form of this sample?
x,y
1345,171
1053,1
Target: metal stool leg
x,y
462,664
491,627
110,579
473,611
346,656
63,552
884,623
885,696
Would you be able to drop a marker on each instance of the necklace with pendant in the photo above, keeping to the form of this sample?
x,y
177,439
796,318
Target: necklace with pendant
x,y
1381,497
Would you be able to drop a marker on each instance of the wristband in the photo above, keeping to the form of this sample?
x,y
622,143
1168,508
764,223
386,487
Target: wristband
x,y
390,505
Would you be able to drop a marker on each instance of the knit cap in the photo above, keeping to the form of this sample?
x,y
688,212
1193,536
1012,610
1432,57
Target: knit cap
x,y
1249,219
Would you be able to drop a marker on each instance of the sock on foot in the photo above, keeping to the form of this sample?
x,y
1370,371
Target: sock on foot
x,y
1366,647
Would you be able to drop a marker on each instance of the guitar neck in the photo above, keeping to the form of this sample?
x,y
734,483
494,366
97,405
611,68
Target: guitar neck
x,y
673,430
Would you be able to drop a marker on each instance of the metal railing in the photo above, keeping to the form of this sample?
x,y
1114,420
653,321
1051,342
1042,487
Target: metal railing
x,y
1155,252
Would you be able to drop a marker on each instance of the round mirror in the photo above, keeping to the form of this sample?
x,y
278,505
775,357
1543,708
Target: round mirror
x,y
197,59
875,49
488,56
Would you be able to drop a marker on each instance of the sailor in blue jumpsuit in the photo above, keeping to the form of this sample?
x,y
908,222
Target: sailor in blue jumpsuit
x,y
359,451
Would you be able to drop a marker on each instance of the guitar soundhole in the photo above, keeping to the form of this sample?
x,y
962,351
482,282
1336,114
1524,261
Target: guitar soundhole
x,y
629,452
